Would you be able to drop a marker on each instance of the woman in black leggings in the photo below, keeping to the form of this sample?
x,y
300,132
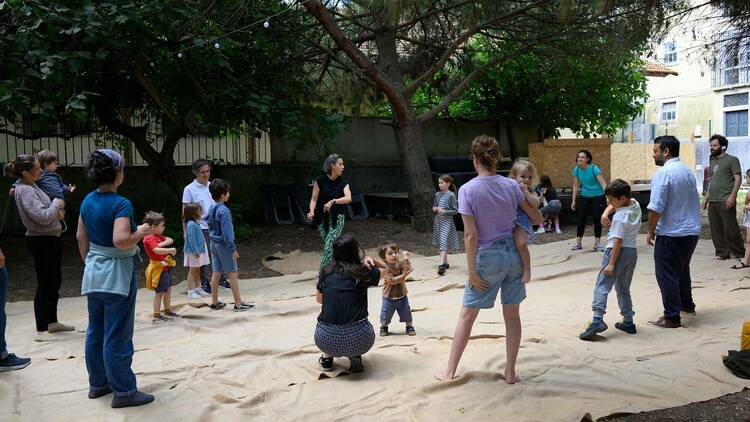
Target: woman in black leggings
x,y
587,177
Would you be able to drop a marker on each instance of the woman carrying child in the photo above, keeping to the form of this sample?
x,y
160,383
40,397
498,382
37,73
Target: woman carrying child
x,y
444,234
41,216
343,328
108,243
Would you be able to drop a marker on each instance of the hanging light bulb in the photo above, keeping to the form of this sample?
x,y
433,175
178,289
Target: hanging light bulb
x,y
216,45
266,24
152,64
179,55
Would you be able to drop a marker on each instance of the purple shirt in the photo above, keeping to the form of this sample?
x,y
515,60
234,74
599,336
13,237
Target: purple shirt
x,y
492,201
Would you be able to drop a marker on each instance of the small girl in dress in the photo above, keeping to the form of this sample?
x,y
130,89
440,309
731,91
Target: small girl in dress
x,y
444,234
746,224
195,250
524,173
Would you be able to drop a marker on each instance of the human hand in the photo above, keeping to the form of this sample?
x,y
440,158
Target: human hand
x,y
477,282
731,201
311,214
573,205
606,222
434,209
72,188
368,261
144,229
650,238
327,206
2,259
59,203
173,251
407,273
406,254
236,255
704,204
12,192
609,269
440,211
543,190
61,214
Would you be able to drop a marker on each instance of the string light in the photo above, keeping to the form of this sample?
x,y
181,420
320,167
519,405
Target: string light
x,y
179,55
216,45
266,24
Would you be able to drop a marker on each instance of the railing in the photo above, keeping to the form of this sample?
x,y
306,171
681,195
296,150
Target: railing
x,y
730,76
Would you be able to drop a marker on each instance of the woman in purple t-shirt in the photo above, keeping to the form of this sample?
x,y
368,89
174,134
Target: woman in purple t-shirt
x,y
487,205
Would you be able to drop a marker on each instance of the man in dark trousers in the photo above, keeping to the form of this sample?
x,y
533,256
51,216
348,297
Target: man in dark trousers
x,y
674,219
721,200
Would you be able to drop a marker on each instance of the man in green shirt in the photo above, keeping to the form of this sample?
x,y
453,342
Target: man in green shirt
x,y
721,200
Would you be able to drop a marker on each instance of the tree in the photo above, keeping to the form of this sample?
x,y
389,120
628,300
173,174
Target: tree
x,y
401,47
197,65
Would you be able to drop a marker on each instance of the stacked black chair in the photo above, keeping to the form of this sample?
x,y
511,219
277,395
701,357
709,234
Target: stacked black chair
x,y
357,209
278,206
300,198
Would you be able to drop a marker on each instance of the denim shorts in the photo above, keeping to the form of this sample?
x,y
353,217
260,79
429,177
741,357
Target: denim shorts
x,y
222,260
501,268
165,281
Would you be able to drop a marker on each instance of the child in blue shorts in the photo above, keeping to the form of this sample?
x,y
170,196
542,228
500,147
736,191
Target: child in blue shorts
x,y
223,248
619,260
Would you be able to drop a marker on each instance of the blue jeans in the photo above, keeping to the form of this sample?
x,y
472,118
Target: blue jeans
x,y
672,257
109,341
3,291
500,266
400,305
620,280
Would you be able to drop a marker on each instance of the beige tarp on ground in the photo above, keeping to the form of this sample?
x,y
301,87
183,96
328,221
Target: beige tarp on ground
x,y
262,364
296,261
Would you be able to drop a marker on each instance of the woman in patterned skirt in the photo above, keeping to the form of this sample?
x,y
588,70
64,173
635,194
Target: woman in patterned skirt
x,y
330,193
444,234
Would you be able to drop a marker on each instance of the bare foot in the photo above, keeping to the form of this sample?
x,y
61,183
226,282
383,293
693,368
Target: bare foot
x,y
510,377
526,276
443,376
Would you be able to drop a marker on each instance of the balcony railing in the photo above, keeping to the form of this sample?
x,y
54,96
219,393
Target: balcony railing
x,y
730,76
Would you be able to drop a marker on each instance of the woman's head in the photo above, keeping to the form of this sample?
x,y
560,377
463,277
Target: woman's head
x,y
334,165
25,167
584,157
105,166
486,151
202,170
524,172
347,260
445,183
545,181
191,211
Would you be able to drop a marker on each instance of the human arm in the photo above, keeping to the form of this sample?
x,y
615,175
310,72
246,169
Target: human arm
x,y
166,242
602,182
2,259
657,204
313,200
533,212
227,229
319,297
346,199
531,198
616,246
452,208
653,220
576,185
38,210
123,238
82,236
471,241
732,200
165,251
606,222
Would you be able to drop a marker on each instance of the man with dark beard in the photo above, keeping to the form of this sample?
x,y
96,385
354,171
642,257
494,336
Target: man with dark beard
x,y
674,218
721,200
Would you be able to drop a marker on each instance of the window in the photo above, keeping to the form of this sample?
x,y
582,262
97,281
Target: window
x,y
669,52
735,100
669,111
735,123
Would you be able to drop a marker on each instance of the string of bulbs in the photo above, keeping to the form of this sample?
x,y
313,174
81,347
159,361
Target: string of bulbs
x,y
265,22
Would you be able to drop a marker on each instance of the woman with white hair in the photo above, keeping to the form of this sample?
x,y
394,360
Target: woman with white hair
x,y
330,193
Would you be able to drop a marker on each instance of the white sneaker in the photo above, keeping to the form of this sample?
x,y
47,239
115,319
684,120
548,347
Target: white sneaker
x,y
540,230
202,292
193,294
558,231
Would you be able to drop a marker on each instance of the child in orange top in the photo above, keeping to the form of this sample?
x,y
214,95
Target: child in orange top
x,y
158,273
394,273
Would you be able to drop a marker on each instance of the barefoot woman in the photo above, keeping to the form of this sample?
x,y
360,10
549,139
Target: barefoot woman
x,y
487,205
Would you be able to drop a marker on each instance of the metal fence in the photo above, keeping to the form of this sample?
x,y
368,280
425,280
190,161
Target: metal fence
x,y
220,146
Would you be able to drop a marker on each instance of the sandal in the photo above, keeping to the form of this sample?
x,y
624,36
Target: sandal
x,y
739,266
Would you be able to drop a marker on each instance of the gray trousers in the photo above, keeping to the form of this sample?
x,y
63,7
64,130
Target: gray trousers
x,y
725,231
620,279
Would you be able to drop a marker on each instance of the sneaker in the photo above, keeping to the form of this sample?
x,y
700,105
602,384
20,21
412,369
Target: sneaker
x,y
665,323
13,363
441,269
137,399
194,294
540,230
410,331
64,227
225,284
171,314
161,319
96,392
383,330
598,248
576,247
202,292
326,364
558,231
592,330
243,306
627,327
447,265
206,288
218,305
355,365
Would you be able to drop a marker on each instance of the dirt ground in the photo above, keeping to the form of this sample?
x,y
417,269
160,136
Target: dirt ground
x,y
267,240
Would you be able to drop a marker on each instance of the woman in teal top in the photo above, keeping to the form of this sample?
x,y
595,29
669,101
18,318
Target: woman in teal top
x,y
107,241
587,177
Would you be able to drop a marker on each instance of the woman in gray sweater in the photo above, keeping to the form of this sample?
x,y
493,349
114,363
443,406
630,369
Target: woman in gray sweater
x,y
41,217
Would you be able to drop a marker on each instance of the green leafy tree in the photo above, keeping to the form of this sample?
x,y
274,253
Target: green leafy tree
x,y
197,65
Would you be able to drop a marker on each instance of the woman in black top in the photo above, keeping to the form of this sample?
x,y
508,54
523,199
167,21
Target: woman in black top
x,y
330,193
343,328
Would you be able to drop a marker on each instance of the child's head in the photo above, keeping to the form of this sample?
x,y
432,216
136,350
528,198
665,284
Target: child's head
x,y
545,182
156,221
618,193
445,183
219,189
24,167
191,211
388,252
523,171
47,160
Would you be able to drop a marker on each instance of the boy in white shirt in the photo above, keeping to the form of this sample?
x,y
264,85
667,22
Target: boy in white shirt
x,y
619,260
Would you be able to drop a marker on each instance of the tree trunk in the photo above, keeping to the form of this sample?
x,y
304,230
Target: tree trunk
x,y
416,172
